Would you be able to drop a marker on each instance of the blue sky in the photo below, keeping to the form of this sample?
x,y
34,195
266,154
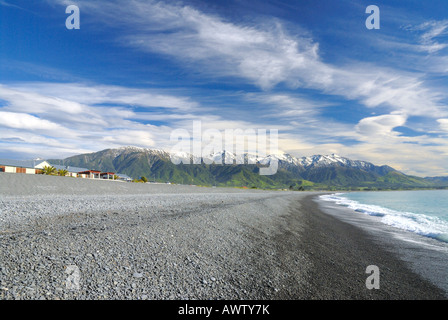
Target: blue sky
x,y
137,70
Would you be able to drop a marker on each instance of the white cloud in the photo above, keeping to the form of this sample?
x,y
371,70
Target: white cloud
x,y
79,94
35,134
384,87
287,105
26,122
60,115
129,137
264,54
432,30
77,115
443,124
380,126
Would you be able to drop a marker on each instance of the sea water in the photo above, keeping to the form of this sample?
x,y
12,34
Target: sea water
x,y
422,212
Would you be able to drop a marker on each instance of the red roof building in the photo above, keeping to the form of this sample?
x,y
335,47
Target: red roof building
x,y
92,174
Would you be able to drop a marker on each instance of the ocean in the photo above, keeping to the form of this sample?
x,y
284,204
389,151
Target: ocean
x,y
421,212
412,224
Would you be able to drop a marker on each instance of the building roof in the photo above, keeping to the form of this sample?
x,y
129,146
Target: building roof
x,y
21,163
123,176
69,168
90,171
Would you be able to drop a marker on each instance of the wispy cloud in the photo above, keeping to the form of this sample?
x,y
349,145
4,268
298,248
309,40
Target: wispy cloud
x,y
7,4
264,54
65,114
421,46
432,30
79,117
282,65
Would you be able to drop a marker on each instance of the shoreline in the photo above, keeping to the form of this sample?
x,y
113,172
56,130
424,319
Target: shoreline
x,y
419,258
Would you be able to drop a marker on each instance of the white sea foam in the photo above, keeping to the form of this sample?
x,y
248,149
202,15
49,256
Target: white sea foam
x,y
421,224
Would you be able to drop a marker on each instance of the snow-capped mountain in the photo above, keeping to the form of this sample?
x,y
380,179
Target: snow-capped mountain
x,y
285,160
331,160
243,169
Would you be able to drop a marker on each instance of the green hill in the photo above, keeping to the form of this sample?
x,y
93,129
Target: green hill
x,y
343,174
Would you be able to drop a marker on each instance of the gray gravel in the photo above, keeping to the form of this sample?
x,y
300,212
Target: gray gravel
x,y
66,238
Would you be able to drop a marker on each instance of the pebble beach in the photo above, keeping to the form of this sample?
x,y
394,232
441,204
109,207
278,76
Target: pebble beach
x,y
67,239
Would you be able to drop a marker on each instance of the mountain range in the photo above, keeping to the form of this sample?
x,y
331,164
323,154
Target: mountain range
x,y
329,172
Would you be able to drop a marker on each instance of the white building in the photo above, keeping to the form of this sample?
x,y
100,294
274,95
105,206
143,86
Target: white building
x,y
22,166
36,166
